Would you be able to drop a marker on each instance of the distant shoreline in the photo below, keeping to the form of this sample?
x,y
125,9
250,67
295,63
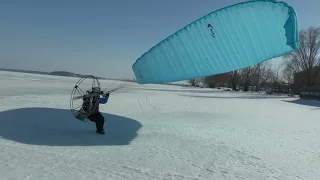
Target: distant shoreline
x,y
71,74
59,73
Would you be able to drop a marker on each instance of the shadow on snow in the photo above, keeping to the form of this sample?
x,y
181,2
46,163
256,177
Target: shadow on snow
x,y
245,96
57,127
312,103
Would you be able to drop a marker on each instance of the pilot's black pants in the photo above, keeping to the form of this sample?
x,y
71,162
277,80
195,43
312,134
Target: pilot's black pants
x,y
98,119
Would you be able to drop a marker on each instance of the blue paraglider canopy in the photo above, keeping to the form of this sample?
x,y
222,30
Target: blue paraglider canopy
x,y
228,39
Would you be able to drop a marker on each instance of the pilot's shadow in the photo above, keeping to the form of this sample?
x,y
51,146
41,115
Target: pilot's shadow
x,y
57,127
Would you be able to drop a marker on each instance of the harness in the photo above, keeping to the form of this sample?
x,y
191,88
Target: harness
x,y
90,104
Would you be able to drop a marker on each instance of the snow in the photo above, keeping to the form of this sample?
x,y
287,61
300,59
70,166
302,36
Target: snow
x,y
155,132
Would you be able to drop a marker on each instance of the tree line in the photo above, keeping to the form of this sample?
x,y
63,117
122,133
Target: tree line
x,y
276,78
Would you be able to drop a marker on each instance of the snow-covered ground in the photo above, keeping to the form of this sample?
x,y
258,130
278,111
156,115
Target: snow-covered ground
x,y
155,132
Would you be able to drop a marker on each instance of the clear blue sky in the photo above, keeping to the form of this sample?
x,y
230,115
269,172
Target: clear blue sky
x,y
101,37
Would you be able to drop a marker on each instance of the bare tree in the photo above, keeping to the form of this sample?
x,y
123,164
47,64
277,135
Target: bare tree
x,y
234,76
262,75
195,82
276,73
246,77
255,79
217,80
249,76
276,79
306,57
289,71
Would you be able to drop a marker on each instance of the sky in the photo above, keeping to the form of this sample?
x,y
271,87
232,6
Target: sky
x,y
102,37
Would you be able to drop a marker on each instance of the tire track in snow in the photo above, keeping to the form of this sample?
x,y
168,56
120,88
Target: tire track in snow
x,y
140,104
39,164
233,163
171,154
225,163
156,109
146,106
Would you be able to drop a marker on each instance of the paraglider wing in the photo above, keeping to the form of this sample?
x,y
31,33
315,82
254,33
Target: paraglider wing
x,y
228,39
